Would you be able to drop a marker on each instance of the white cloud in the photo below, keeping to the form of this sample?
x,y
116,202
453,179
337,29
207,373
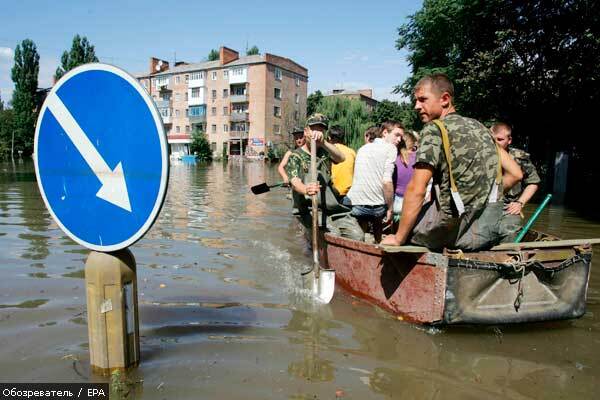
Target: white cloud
x,y
6,54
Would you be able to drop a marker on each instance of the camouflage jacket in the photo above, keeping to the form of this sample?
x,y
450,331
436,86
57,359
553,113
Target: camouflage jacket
x,y
530,175
474,161
299,164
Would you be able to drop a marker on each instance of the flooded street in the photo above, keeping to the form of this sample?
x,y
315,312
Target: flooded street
x,y
222,314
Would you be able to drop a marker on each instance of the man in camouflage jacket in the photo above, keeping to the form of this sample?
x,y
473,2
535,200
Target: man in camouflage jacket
x,y
521,193
474,167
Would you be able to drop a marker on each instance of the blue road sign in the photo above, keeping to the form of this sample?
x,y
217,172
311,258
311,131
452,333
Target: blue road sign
x,y
101,157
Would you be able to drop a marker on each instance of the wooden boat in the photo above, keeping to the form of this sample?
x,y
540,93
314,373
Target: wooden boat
x,y
538,280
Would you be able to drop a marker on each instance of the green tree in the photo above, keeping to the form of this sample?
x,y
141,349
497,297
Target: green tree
x,y
200,145
82,52
312,102
24,74
388,110
213,55
6,131
253,51
350,114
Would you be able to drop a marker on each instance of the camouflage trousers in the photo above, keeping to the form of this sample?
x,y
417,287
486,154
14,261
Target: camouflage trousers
x,y
472,231
509,227
343,225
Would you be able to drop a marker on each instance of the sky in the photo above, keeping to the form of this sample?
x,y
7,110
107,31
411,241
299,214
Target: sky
x,y
343,45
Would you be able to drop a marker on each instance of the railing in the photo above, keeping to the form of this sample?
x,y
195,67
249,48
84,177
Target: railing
x,y
238,98
195,119
238,134
162,103
238,116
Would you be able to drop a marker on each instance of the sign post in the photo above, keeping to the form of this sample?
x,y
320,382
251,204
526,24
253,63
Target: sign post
x,y
101,163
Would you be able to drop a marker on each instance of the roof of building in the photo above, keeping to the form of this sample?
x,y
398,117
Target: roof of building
x,y
206,65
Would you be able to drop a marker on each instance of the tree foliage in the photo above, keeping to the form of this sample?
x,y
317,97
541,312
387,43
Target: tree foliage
x,y
6,130
82,52
312,102
350,114
24,74
200,145
213,55
530,63
388,110
253,51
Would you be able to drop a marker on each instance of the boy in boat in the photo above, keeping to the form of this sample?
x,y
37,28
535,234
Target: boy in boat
x,y
342,173
467,169
521,193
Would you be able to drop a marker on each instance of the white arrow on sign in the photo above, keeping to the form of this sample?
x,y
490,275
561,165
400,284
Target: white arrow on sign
x,y
113,189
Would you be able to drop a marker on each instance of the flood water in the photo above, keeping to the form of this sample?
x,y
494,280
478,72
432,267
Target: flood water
x,y
222,314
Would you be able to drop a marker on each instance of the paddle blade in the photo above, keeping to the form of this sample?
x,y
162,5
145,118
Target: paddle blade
x,y
326,285
259,189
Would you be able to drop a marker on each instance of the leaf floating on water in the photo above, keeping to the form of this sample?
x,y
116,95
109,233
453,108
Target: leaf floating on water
x,y
162,285
26,304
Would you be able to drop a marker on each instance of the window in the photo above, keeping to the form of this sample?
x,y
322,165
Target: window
x,y
195,92
225,74
196,111
277,111
278,93
153,81
237,71
177,113
162,80
187,78
165,112
278,74
166,97
214,94
186,96
177,79
177,129
213,111
276,129
176,96
187,128
225,93
213,146
197,75
239,107
214,128
238,90
225,128
145,83
297,80
213,76
187,112
225,110
297,98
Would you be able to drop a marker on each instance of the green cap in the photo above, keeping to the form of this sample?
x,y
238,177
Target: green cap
x,y
317,119
297,130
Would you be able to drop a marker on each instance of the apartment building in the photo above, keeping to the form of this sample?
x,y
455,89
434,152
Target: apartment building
x,y
243,104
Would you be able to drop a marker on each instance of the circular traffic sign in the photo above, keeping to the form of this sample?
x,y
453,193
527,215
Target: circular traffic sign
x,y
101,157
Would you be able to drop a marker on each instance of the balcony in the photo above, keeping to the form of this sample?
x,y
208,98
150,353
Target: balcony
x,y
194,83
238,135
239,117
166,119
238,98
238,75
197,119
164,85
162,103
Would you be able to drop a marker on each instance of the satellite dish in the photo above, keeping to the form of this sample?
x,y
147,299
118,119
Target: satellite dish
x,y
159,65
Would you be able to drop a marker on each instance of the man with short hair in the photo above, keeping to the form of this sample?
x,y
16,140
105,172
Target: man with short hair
x,y
372,191
462,158
342,173
521,193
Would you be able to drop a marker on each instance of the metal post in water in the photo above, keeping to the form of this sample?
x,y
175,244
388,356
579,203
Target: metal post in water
x,y
113,325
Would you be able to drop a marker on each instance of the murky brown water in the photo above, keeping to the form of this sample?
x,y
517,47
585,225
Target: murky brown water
x,y
231,321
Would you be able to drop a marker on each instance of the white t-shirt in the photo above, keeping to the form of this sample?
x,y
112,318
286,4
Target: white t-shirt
x,y
373,166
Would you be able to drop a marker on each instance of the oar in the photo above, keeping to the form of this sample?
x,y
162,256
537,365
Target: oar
x,y
264,188
535,216
321,281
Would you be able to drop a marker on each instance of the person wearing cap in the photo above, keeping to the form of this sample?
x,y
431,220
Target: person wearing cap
x,y
298,165
298,134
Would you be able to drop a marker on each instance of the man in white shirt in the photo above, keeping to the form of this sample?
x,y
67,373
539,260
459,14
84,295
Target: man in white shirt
x,y
372,191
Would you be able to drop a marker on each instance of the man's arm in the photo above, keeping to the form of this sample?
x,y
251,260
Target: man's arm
x,y
310,189
516,206
413,202
281,167
388,195
334,153
512,173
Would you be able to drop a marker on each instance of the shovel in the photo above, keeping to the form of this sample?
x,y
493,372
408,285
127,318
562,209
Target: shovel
x,y
320,281
264,188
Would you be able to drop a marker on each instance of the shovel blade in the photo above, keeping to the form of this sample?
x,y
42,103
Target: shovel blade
x,y
259,189
325,286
